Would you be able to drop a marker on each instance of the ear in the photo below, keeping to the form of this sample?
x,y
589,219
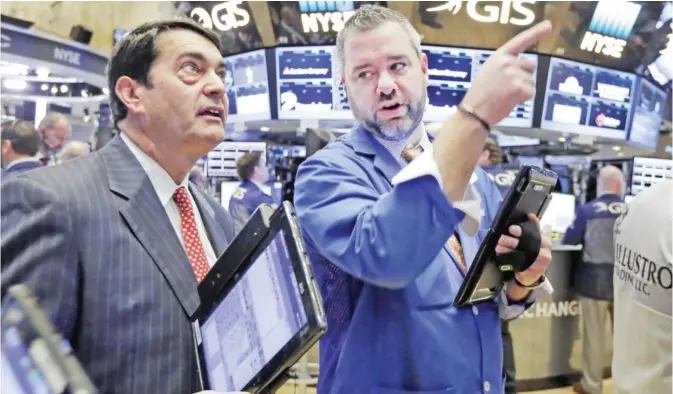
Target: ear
x,y
128,91
6,145
424,66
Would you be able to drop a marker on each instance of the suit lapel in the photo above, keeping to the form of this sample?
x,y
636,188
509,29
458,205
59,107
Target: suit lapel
x,y
215,233
148,221
365,144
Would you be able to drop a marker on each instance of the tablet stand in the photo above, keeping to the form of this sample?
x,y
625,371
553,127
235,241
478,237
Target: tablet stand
x,y
526,252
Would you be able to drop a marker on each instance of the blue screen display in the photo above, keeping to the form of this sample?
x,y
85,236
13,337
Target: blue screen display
x,y
247,87
451,72
254,321
648,113
586,99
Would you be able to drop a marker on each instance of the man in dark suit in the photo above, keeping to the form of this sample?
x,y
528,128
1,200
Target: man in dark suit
x,y
20,143
114,244
252,170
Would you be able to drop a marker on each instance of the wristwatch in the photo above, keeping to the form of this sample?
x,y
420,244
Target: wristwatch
x,y
533,286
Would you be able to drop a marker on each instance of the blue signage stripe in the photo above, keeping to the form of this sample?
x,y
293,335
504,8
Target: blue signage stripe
x,y
326,6
615,20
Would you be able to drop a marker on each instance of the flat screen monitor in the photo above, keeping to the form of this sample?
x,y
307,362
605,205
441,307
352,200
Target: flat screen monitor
x,y
247,87
648,171
309,84
221,161
589,100
451,71
560,213
649,107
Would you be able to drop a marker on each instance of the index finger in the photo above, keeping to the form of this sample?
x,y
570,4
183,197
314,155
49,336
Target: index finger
x,y
526,39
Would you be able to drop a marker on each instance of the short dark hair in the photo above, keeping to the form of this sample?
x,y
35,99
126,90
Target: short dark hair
x,y
134,54
24,137
495,153
246,164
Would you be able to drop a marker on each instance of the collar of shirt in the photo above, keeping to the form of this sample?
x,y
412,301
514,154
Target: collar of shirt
x,y
22,160
163,184
421,135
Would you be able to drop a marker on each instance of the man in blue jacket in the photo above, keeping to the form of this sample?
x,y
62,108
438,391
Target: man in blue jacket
x,y
391,230
20,144
252,170
593,227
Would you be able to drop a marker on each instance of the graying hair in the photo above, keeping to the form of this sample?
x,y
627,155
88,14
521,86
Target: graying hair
x,y
369,17
50,120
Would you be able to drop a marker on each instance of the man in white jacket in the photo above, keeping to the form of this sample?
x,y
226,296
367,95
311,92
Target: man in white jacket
x,y
642,361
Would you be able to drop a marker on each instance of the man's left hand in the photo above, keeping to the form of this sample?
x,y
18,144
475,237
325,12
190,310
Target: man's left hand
x,y
507,243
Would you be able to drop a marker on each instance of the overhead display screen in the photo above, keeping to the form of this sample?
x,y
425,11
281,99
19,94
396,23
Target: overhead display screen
x,y
648,171
647,115
310,87
309,84
451,71
221,161
586,99
247,87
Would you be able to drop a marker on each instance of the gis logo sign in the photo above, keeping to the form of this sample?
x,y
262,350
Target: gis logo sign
x,y
509,12
610,27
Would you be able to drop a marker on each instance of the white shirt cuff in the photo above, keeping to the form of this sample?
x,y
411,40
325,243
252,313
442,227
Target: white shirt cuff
x,y
511,312
470,205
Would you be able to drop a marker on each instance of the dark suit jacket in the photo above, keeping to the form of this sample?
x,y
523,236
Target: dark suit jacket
x,y
22,167
94,244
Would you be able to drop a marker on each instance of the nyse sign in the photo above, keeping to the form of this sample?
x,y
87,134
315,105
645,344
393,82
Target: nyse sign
x,y
325,21
223,17
509,12
606,45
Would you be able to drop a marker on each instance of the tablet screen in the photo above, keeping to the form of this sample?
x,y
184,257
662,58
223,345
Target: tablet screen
x,y
254,321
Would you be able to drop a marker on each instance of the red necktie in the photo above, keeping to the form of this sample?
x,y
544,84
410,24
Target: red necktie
x,y
410,154
190,234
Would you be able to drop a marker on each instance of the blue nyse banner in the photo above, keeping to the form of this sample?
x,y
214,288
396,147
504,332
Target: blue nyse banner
x,y
28,44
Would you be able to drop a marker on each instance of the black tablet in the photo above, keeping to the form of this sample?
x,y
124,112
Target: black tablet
x,y
35,357
530,193
257,319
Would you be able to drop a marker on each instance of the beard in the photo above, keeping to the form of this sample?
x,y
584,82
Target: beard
x,y
387,130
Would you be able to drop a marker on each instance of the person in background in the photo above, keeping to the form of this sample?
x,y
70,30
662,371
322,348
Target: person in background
x,y
491,155
54,129
249,195
196,177
20,143
642,361
114,244
592,228
491,160
391,219
75,149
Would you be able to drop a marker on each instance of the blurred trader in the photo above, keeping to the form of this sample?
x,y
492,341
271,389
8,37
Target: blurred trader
x,y
129,238
592,228
75,149
20,143
249,195
490,161
377,228
55,129
642,360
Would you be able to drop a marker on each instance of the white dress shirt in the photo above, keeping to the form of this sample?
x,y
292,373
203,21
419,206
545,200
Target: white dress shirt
x,y
165,187
470,205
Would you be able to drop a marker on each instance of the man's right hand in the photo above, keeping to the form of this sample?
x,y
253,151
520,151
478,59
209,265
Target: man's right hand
x,y
506,80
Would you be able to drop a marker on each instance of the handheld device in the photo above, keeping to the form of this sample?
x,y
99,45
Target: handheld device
x,y
260,307
530,193
35,357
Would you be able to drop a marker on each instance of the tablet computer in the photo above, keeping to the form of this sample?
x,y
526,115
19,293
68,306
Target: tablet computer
x,y
35,357
257,319
530,193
